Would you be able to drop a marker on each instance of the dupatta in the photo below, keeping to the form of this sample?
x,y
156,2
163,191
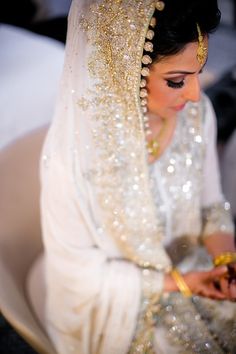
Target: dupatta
x,y
94,164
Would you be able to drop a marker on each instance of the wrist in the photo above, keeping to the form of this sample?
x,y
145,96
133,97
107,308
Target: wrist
x,y
181,283
169,285
220,243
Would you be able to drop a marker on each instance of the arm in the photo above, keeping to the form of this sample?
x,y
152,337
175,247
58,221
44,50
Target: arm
x,y
219,242
218,228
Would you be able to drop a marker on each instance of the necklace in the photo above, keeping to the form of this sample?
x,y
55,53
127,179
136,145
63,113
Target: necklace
x,y
153,146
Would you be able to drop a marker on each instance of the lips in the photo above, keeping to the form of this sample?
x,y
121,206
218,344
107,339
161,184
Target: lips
x,y
179,108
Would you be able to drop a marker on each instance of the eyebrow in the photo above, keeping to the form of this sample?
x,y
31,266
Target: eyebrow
x,y
180,72
183,72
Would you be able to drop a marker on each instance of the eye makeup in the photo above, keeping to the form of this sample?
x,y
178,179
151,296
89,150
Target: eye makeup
x,y
174,84
177,84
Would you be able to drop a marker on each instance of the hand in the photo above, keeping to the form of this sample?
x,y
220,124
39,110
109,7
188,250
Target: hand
x,y
204,283
227,283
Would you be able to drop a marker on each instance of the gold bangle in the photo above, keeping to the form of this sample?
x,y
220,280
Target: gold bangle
x,y
180,282
225,258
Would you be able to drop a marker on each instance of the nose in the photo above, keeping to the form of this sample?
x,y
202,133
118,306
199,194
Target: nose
x,y
192,92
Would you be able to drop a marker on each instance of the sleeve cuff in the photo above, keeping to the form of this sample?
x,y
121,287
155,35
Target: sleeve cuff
x,y
217,218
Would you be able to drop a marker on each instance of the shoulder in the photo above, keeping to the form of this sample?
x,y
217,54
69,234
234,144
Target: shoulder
x,y
209,119
203,109
207,110
203,112
205,103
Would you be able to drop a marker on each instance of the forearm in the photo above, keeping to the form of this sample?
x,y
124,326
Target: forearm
x,y
169,285
219,243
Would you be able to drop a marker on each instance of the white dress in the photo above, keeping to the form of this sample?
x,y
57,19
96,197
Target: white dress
x,y
108,218
91,288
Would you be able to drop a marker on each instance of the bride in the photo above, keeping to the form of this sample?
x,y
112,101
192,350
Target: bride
x,y
139,241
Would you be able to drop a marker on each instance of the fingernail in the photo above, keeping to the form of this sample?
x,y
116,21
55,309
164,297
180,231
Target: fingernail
x,y
224,269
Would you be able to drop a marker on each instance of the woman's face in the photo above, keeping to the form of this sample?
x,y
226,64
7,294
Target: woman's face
x,y
174,81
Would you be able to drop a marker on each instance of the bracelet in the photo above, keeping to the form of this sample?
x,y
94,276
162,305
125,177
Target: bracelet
x,y
225,258
180,282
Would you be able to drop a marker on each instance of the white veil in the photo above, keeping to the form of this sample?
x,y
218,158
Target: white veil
x,y
103,65
99,220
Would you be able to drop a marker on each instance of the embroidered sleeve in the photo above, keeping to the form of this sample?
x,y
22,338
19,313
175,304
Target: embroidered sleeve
x,y
216,211
217,218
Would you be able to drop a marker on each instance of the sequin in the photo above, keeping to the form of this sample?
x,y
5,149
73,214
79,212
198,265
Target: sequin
x,y
189,161
83,103
135,187
198,138
192,130
45,160
227,206
170,169
193,111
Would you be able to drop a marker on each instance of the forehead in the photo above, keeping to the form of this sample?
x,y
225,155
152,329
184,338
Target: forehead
x,y
186,60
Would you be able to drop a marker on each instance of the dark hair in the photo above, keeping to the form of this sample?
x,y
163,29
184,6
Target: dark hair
x,y
176,25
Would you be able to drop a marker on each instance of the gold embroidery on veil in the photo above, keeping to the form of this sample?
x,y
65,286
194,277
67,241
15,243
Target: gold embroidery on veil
x,y
116,32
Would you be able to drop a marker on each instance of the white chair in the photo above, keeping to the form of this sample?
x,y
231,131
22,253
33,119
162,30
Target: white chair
x,y
20,235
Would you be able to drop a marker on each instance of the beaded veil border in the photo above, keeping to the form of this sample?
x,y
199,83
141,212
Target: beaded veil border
x,y
119,177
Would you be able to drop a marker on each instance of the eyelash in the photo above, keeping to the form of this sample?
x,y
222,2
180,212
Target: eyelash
x,y
175,85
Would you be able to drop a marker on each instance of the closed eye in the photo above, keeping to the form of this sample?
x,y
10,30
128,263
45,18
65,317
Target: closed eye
x,y
175,84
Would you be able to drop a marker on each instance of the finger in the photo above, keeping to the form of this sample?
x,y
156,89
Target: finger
x,y
212,292
217,272
231,273
224,286
232,291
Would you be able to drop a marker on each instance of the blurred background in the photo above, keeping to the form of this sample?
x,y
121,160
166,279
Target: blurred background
x,y
32,39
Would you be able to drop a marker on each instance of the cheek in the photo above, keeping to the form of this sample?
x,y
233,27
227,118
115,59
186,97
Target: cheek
x,y
160,94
